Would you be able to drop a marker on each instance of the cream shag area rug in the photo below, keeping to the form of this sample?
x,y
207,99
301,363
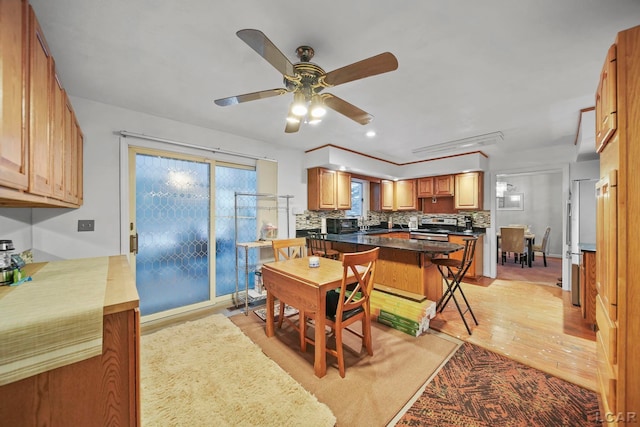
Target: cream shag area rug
x,y
207,372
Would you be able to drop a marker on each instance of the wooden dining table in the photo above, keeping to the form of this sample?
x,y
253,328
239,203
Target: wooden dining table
x,y
530,238
296,284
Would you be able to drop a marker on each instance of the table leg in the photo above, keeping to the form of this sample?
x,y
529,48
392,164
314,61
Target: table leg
x,y
270,329
320,355
530,249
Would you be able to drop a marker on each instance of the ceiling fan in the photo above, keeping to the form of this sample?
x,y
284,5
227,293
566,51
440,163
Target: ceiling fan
x,y
306,80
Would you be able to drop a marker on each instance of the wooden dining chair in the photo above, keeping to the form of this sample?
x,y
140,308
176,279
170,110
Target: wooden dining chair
x,y
319,246
512,241
349,304
543,247
287,249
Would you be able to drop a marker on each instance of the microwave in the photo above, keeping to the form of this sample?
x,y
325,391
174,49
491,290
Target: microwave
x,y
342,225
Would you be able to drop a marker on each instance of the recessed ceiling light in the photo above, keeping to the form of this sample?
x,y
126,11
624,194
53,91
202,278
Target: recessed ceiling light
x,y
371,133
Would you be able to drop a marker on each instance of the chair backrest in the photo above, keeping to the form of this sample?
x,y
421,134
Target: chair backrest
x,y
469,251
289,248
363,267
512,239
317,244
545,240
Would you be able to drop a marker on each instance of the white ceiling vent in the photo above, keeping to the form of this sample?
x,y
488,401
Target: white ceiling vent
x,y
472,142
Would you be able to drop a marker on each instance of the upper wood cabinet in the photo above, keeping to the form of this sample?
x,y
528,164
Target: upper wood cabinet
x,y
436,186
606,101
41,150
468,191
328,189
14,164
398,195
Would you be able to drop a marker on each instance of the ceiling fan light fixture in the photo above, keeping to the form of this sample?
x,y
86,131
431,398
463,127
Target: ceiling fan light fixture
x,y
299,106
317,107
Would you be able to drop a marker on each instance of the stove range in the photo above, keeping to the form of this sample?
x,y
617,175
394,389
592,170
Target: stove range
x,y
435,229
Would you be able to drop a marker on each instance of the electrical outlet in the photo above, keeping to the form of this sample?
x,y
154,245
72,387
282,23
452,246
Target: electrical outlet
x,y
86,225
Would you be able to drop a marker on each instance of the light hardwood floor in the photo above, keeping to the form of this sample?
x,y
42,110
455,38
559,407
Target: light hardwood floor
x,y
530,323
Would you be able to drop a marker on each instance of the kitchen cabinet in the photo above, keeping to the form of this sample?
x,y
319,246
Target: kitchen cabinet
x,y
475,269
34,158
40,78
13,57
394,234
328,189
588,290
468,191
617,247
98,391
398,195
606,101
436,186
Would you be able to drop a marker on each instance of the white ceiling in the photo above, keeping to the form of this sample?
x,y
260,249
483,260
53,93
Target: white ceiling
x,y
525,68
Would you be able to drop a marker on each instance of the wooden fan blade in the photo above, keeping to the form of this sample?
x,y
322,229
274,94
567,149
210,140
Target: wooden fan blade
x,y
233,100
292,127
378,64
346,109
265,48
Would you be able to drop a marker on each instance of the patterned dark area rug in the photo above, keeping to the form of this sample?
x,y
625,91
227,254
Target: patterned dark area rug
x,y
478,387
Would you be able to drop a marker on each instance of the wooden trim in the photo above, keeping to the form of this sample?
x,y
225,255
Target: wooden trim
x,y
582,111
394,163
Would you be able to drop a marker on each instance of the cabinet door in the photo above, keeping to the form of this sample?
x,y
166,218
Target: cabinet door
x,y
406,195
468,190
425,187
343,190
386,195
40,181
58,146
13,78
443,185
606,101
607,243
475,269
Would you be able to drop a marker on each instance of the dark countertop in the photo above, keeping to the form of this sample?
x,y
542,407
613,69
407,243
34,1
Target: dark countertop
x,y
413,245
587,247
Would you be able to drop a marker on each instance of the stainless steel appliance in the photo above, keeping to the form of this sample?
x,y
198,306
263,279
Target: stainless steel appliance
x,y
342,225
437,229
6,265
468,223
413,223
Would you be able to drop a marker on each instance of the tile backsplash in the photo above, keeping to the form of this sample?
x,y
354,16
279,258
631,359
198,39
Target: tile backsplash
x,y
312,219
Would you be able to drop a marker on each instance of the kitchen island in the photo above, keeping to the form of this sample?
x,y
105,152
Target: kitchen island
x,y
97,391
403,264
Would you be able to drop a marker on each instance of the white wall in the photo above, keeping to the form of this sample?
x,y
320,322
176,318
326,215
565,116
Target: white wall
x,y
52,232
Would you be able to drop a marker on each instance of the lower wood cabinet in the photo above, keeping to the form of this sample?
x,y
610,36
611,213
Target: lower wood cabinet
x,y
588,289
475,270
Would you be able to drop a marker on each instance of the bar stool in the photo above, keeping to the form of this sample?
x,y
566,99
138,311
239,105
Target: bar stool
x,y
457,268
318,246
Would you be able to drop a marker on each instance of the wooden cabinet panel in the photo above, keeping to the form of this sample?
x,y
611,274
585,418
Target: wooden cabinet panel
x,y
425,187
444,185
58,149
476,268
436,186
606,101
13,78
343,190
588,286
40,67
606,242
468,191
405,195
328,189
386,195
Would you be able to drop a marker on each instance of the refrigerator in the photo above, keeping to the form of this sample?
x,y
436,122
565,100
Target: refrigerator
x,y
581,227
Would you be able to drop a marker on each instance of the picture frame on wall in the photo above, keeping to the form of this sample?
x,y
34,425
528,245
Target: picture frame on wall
x,y
511,202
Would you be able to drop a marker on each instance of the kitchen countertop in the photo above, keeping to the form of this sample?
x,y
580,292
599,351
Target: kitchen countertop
x,y
587,247
413,245
370,231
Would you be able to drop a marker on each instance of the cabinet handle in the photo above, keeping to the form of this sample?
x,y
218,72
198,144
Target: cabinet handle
x,y
133,243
